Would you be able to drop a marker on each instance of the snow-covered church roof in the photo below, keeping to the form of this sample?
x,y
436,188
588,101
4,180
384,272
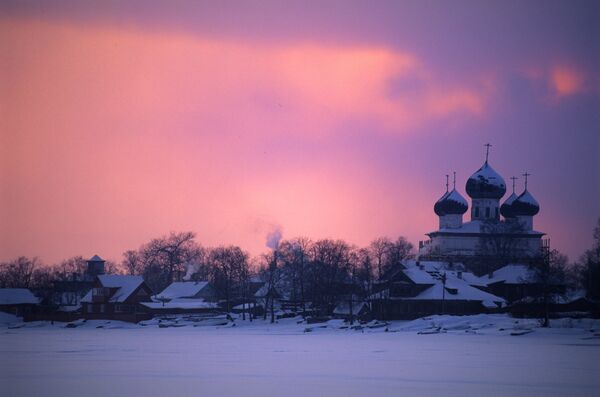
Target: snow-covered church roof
x,y
451,203
525,205
506,207
486,183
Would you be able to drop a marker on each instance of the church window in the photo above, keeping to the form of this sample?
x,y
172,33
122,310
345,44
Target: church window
x,y
487,212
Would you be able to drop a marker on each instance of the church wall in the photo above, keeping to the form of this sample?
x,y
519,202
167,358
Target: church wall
x,y
483,209
526,221
452,221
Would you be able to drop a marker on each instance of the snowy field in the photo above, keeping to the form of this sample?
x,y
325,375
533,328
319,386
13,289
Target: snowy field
x,y
470,356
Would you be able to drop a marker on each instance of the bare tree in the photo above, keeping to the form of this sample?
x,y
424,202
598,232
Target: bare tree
x,y
111,267
501,244
294,256
230,271
379,249
18,273
132,262
589,267
165,257
69,269
329,271
364,273
549,270
397,251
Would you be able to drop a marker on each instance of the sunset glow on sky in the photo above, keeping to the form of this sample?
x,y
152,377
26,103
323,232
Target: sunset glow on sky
x,y
123,121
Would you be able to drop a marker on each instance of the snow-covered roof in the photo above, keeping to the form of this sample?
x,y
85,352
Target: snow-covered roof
x,y
182,304
17,296
505,208
526,197
469,278
264,291
343,308
510,274
463,292
126,286
418,276
525,204
183,289
454,195
435,270
486,183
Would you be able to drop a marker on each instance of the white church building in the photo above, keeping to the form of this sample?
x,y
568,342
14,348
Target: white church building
x,y
490,222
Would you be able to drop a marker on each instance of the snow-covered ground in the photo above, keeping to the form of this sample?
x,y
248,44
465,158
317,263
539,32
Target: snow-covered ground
x,y
438,356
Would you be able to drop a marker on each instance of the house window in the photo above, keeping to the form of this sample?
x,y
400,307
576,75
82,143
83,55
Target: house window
x,y
98,291
90,308
497,213
102,308
476,212
487,212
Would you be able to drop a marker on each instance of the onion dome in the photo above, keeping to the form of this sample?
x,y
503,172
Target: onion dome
x,y
486,184
454,204
525,205
437,208
506,207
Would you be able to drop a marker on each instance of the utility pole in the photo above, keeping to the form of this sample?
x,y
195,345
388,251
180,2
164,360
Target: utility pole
x,y
546,279
443,291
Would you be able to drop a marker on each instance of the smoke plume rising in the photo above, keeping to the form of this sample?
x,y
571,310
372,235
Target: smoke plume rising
x,y
273,237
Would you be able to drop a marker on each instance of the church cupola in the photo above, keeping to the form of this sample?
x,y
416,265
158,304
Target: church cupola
x,y
451,207
506,207
525,207
437,207
486,187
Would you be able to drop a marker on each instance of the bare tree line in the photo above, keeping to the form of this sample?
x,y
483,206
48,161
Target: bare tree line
x,y
318,271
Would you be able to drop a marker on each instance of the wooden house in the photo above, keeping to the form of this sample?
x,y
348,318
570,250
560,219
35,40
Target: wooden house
x,y
117,297
17,301
415,290
185,297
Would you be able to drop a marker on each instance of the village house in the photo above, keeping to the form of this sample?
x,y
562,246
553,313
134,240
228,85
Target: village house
x,y
117,297
420,289
184,297
356,309
68,292
513,282
17,301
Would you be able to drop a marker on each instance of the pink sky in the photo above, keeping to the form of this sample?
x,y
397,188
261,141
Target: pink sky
x,y
119,124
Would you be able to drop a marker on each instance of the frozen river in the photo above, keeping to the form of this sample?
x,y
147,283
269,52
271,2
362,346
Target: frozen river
x,y
283,360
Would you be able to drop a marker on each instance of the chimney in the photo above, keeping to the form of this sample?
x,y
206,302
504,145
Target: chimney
x,y
491,274
459,274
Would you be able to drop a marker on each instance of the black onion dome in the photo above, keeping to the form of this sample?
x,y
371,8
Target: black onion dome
x,y
454,204
437,208
506,207
486,183
525,205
